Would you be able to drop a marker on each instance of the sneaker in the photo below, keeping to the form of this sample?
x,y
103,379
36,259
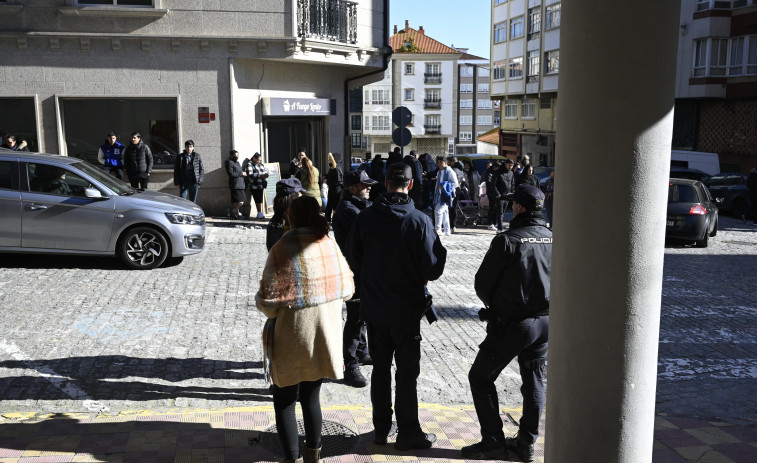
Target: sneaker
x,y
421,441
482,451
524,451
365,360
354,377
454,229
382,439
260,215
493,227
447,234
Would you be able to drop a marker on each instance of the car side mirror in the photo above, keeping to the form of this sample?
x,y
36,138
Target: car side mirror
x,y
94,193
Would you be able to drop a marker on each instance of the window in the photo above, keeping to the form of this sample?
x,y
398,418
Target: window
x,y
751,59
534,22
356,140
533,66
552,19
409,69
432,98
483,88
516,28
700,57
54,180
355,122
6,175
466,120
432,123
736,63
552,62
433,69
377,122
499,2
377,96
466,88
528,109
500,32
511,109
703,5
83,124
115,2
466,104
466,71
484,104
18,116
500,70
483,72
484,120
516,67
496,118
409,94
466,136
718,55
433,74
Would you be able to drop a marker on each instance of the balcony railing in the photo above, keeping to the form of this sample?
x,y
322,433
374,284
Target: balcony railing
x,y
432,77
334,20
432,128
431,103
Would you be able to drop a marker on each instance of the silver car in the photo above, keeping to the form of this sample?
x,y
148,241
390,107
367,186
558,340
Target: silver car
x,y
63,205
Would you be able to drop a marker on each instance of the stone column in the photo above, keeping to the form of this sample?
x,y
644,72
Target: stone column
x,y
615,121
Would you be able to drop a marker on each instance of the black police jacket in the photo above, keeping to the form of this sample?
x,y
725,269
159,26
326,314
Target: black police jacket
x,y
394,251
344,216
513,278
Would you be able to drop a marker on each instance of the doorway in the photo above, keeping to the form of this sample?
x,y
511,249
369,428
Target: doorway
x,y
285,136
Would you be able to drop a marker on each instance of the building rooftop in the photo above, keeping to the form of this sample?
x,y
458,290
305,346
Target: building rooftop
x,y
491,136
409,40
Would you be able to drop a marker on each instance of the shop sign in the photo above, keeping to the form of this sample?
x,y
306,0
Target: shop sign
x,y
299,107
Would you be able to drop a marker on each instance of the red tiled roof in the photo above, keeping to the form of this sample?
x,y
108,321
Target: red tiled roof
x,y
421,43
491,136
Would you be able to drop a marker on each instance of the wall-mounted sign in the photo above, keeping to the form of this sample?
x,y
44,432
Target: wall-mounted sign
x,y
299,107
204,116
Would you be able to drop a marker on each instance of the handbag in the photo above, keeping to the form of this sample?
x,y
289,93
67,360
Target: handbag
x,y
268,330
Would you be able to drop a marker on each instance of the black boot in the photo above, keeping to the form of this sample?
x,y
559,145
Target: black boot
x,y
524,451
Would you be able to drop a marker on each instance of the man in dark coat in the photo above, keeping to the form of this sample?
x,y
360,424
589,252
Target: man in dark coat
x,y
11,142
416,194
188,172
376,172
513,282
392,287
354,347
496,190
138,162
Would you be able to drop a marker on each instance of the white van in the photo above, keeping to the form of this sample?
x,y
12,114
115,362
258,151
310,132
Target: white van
x,y
706,162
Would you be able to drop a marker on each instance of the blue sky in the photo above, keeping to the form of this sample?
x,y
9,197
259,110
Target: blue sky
x,y
463,24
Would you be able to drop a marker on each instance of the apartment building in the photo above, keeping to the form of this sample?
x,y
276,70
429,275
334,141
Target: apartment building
x,y
423,78
264,76
525,58
716,81
477,113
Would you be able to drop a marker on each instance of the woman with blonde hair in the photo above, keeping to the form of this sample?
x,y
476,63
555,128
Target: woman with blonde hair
x,y
304,282
309,177
335,182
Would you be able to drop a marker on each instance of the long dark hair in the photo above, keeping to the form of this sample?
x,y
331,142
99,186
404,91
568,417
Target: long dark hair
x,y
305,212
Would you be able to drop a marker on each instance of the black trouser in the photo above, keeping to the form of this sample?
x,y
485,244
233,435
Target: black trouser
x,y
139,181
453,213
117,171
526,339
354,345
496,211
403,343
754,209
284,401
332,201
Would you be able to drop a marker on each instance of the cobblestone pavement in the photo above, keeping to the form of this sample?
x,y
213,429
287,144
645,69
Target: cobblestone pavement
x,y
82,334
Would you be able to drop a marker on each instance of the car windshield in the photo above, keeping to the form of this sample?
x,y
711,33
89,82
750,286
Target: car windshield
x,y
721,179
117,186
682,194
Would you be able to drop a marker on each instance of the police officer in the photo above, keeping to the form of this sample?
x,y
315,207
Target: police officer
x,y
394,252
513,283
354,347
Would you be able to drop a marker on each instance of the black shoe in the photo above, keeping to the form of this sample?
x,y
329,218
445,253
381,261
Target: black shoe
x,y
354,377
366,360
420,441
482,451
524,451
382,439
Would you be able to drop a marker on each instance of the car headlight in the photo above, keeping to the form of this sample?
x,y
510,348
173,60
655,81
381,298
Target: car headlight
x,y
185,219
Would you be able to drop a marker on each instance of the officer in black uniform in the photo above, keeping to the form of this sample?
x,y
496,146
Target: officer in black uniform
x,y
513,283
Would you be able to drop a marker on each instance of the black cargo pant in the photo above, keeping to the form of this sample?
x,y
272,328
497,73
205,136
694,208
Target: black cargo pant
x,y
403,343
526,339
354,345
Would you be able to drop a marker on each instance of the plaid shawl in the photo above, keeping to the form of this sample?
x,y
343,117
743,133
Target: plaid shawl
x,y
302,271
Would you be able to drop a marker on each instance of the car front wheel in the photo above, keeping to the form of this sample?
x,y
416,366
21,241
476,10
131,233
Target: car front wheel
x,y
142,248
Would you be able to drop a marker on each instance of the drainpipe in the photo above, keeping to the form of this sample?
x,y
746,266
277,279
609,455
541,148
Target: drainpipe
x,y
348,139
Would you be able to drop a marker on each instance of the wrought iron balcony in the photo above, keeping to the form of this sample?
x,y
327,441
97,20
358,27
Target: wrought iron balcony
x,y
432,77
431,103
334,20
432,128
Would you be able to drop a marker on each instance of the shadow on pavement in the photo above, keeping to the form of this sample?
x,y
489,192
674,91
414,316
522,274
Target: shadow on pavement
x,y
122,378
50,261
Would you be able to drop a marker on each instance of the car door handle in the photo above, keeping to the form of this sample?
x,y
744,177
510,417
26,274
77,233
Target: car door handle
x,y
35,207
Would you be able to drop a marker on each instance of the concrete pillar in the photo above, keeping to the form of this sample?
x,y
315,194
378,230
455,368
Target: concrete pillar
x,y
615,121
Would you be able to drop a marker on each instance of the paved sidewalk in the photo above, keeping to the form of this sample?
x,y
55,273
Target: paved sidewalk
x,y
247,435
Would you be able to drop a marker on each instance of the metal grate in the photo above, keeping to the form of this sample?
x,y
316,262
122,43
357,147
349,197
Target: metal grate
x,y
336,439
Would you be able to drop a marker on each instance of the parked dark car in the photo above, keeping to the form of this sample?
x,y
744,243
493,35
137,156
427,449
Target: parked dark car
x,y
685,172
692,215
730,192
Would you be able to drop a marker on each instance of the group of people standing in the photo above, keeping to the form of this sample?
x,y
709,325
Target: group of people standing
x,y
501,179
384,252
